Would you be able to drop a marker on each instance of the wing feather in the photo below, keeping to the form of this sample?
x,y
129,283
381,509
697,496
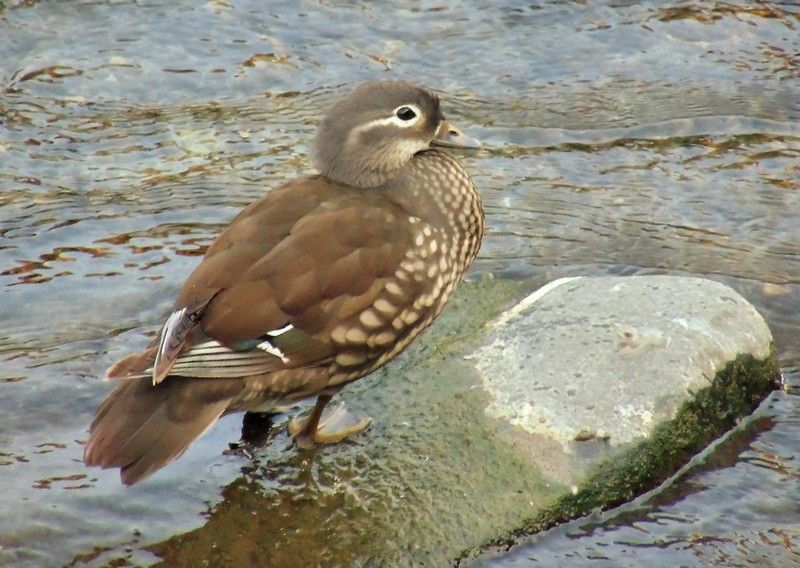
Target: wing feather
x,y
309,254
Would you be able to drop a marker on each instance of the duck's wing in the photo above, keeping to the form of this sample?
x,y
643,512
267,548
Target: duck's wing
x,y
275,285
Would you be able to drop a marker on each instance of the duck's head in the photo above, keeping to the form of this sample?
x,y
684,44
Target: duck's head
x,y
367,137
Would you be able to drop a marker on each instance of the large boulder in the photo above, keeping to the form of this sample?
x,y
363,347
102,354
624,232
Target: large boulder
x,y
496,424
613,383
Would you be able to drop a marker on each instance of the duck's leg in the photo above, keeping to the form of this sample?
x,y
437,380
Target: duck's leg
x,y
256,428
318,429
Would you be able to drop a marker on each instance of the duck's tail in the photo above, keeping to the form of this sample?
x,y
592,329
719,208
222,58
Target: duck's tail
x,y
141,427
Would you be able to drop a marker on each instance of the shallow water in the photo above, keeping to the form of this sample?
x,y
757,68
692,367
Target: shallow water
x,y
621,138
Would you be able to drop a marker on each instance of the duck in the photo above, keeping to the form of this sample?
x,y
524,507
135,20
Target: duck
x,y
317,284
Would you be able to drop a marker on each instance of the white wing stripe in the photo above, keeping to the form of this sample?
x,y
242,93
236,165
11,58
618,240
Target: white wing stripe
x,y
272,350
281,331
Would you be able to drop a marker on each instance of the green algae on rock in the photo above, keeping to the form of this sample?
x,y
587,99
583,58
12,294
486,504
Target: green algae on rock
x,y
734,393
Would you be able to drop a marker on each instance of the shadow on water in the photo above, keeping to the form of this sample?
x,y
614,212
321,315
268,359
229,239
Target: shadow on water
x,y
621,138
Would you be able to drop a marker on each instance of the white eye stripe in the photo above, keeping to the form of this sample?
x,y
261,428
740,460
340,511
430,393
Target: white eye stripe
x,y
393,119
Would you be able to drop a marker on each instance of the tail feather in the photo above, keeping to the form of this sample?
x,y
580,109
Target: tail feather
x,y
140,428
134,365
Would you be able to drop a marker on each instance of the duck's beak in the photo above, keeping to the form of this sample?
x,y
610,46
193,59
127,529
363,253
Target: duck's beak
x,y
450,136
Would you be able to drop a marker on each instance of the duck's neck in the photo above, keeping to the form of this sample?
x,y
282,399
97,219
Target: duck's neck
x,y
435,188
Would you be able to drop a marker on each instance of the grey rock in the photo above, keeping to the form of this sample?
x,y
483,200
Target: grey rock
x,y
608,359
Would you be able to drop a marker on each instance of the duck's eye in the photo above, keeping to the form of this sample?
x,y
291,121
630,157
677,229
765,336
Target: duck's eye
x,y
405,113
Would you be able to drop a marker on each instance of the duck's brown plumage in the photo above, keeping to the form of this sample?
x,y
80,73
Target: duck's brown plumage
x,y
311,287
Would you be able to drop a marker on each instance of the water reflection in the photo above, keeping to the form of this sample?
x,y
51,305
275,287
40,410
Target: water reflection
x,y
623,138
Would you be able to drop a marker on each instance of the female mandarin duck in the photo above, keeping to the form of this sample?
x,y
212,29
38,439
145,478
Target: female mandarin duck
x,y
315,285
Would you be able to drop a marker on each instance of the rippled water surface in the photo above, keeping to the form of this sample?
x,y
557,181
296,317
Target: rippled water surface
x,y
621,138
